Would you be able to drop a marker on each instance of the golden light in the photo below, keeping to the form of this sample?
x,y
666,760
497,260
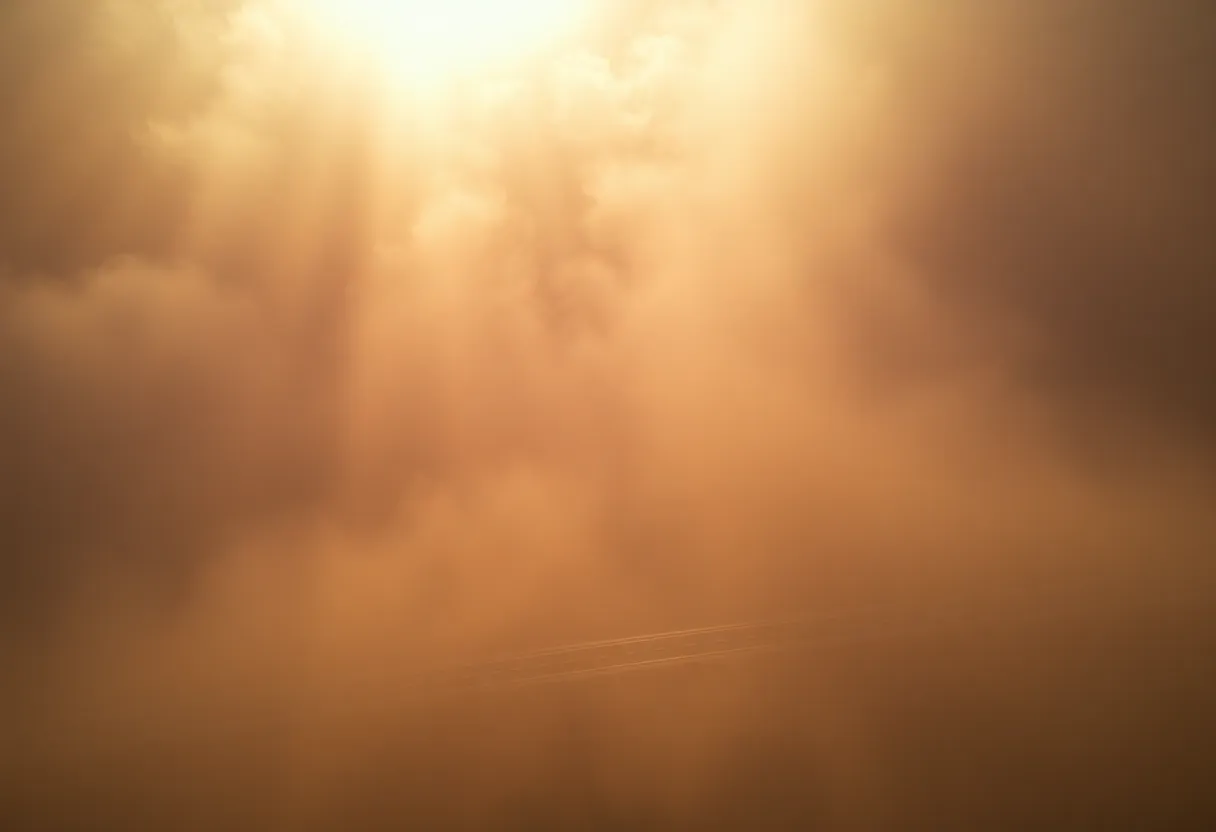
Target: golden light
x,y
421,40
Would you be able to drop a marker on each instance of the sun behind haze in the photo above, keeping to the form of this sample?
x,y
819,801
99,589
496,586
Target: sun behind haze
x,y
428,40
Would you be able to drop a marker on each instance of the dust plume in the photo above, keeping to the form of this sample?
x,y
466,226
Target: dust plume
x,y
313,384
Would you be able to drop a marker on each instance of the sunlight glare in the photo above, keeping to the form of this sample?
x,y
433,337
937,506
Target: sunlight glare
x,y
428,39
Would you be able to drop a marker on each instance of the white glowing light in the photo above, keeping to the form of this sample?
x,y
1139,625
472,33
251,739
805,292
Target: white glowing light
x,y
422,39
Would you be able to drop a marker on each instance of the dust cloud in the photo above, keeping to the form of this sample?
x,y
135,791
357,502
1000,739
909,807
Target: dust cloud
x,y
313,384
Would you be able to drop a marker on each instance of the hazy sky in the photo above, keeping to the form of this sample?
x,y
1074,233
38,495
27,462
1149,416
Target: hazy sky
x,y
311,372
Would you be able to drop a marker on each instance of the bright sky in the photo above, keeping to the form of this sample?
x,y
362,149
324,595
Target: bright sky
x,y
422,40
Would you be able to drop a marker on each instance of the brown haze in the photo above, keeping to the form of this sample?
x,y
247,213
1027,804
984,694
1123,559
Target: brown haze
x,y
898,311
